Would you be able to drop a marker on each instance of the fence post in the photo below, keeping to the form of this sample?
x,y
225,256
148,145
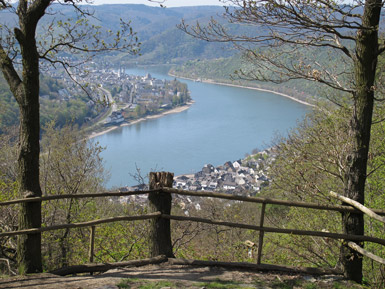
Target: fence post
x,y
160,232
261,234
92,242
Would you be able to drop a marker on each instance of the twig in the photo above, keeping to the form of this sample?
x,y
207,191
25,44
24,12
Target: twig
x,y
9,266
366,253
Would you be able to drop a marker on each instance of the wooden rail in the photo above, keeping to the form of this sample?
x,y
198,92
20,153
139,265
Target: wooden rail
x,y
268,201
82,224
360,238
160,202
80,196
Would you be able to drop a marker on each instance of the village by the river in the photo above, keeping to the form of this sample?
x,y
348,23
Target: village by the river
x,y
244,177
127,98
224,123
222,126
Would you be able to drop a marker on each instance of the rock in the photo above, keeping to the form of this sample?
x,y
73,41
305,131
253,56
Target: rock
x,y
310,279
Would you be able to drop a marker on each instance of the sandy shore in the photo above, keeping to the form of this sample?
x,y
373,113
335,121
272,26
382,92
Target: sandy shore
x,y
247,87
171,111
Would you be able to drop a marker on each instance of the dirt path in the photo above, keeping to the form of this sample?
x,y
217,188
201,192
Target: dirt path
x,y
181,276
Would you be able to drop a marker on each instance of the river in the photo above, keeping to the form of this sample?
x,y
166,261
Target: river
x,y
224,124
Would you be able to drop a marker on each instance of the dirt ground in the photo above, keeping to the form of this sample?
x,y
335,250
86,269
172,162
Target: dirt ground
x,y
182,276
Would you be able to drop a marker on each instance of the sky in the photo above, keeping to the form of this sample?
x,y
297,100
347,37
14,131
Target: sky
x,y
167,3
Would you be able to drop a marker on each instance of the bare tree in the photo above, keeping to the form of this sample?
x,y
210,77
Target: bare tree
x,y
285,30
23,43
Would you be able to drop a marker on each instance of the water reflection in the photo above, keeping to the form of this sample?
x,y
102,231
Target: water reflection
x,y
138,127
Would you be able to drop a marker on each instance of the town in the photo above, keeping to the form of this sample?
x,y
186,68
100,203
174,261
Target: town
x,y
245,177
135,96
129,97
242,177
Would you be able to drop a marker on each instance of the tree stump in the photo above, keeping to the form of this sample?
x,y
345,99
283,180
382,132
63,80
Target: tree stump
x,y
160,232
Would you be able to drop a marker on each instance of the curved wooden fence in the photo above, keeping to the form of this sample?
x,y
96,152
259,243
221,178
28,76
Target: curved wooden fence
x,y
160,204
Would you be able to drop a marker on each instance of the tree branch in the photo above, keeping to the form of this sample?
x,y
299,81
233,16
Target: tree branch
x,y
9,266
4,4
10,73
366,253
358,206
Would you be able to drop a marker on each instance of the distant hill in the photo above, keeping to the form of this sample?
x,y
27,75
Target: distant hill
x,y
162,42
156,29
223,70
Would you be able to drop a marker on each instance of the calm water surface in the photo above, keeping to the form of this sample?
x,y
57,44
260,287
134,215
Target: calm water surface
x,y
223,124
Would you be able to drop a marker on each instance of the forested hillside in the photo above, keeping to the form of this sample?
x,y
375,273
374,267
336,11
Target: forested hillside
x,y
228,70
54,106
162,42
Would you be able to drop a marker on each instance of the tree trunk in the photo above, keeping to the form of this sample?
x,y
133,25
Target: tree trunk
x,y
27,96
29,246
360,126
160,234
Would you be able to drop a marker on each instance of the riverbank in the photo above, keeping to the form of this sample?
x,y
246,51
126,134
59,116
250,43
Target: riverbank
x,y
211,81
171,111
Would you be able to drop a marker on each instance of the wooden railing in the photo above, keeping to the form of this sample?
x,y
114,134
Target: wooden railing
x,y
160,213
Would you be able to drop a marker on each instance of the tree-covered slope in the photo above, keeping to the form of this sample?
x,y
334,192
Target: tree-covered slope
x,y
162,42
53,107
224,70
236,69
156,29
